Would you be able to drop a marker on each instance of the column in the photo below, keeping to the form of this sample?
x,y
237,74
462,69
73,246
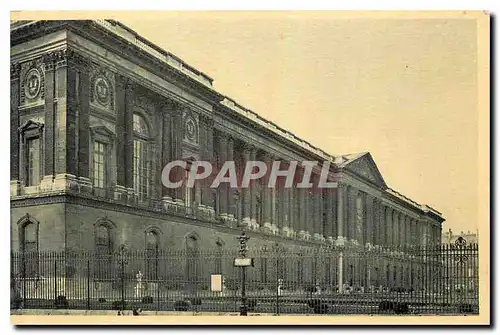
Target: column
x,y
376,222
65,123
395,225
351,213
83,125
231,204
403,229
14,126
291,210
207,198
246,192
267,195
128,155
49,92
285,207
369,220
388,226
302,208
223,187
341,190
121,84
328,200
317,199
253,192
310,219
408,234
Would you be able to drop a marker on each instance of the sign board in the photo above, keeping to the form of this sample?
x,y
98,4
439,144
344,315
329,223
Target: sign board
x,y
243,262
216,283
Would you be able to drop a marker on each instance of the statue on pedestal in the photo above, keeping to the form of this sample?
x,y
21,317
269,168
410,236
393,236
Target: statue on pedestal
x,y
138,286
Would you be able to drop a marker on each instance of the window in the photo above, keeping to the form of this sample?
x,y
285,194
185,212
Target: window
x,y
274,206
103,252
218,258
141,161
189,191
300,269
99,164
259,209
30,249
263,269
33,159
152,246
192,261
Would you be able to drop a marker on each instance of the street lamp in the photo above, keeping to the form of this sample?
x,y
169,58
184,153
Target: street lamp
x,y
243,262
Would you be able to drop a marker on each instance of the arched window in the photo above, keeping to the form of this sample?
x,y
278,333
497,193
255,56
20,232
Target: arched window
x,y
192,261
29,248
300,269
218,257
263,265
152,248
104,249
141,159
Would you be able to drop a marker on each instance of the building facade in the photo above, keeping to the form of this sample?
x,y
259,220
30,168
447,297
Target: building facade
x,y
97,111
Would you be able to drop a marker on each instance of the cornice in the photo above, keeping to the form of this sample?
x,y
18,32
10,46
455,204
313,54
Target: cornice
x,y
120,46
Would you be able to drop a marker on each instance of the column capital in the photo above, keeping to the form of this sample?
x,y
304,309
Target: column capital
x,y
267,156
206,120
77,59
342,185
247,147
223,136
353,191
15,70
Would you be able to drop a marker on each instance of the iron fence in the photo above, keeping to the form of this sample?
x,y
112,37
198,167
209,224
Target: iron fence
x,y
330,280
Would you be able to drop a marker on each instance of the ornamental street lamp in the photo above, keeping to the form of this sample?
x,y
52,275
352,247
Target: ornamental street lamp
x,y
243,262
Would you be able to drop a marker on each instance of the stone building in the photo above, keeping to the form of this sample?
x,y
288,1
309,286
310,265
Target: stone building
x,y
97,111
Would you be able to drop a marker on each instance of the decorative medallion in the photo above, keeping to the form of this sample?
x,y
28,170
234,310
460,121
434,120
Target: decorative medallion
x,y
102,91
32,84
191,130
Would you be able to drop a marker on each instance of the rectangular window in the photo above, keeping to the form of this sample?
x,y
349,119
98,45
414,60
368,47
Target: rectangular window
x,y
189,191
141,169
99,164
33,147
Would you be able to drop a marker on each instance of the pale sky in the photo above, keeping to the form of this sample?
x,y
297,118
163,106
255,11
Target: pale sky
x,y
403,89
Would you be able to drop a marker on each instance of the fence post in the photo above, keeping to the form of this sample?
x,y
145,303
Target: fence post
x,y
157,283
341,272
55,277
277,285
88,283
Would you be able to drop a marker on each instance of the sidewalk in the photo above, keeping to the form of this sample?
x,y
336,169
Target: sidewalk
x,y
126,312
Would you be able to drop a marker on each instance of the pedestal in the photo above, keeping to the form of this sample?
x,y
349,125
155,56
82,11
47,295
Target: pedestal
x,y
85,185
47,183
15,188
65,182
120,193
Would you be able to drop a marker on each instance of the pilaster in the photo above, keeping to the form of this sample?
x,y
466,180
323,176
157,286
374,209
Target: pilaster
x,y
14,125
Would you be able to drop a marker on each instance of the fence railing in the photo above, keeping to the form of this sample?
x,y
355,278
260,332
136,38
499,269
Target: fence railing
x,y
418,280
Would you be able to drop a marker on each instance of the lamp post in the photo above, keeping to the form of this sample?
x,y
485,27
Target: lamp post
x,y
243,239
122,261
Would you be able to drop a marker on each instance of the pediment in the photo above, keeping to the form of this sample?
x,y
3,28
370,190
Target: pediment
x,y
102,130
365,167
30,125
